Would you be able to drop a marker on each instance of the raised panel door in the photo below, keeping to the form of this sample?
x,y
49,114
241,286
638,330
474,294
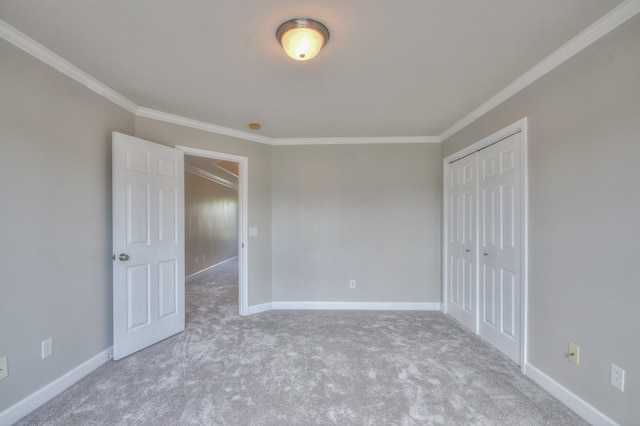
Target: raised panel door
x,y
148,243
500,245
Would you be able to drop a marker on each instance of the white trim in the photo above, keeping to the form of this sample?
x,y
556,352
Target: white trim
x,y
604,25
243,224
520,126
512,129
355,140
214,128
524,277
346,306
200,125
46,393
256,309
219,167
568,398
359,306
209,267
598,29
35,49
197,171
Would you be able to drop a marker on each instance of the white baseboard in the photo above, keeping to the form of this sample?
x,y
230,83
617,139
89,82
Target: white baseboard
x,y
345,306
256,309
41,396
191,277
568,398
359,306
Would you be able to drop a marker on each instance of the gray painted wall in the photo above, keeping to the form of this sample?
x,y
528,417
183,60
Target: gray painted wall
x,y
259,156
363,201
584,210
211,223
364,212
55,227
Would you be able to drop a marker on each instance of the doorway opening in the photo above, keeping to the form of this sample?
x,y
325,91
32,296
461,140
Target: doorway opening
x,y
216,215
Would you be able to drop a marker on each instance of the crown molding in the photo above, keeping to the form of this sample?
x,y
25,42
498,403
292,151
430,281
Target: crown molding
x,y
35,49
200,125
604,25
209,176
214,128
354,140
598,29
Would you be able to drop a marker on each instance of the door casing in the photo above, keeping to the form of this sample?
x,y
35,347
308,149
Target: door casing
x,y
518,126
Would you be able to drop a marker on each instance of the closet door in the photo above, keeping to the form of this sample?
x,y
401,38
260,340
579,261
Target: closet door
x,y
500,263
461,241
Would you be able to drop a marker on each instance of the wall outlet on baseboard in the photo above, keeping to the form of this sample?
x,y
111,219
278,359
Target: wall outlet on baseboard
x,y
47,348
574,354
4,368
352,283
617,377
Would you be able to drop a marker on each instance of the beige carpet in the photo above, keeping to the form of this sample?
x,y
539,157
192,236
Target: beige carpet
x,y
306,368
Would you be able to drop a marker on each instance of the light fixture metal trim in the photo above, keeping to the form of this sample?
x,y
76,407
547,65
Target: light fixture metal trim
x,y
299,23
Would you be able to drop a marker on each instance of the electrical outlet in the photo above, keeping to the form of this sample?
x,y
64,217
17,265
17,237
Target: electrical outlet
x,y
352,283
47,348
617,377
574,354
4,368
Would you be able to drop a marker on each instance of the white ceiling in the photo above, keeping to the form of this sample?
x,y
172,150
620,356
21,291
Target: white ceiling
x,y
390,68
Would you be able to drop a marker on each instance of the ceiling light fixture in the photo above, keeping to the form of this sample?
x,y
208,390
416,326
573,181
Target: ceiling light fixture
x,y
302,38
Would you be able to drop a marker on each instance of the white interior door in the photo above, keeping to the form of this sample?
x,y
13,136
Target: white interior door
x,y
500,263
461,241
148,243
485,239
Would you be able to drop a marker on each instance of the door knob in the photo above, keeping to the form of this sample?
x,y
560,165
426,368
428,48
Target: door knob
x,y
486,254
468,250
123,257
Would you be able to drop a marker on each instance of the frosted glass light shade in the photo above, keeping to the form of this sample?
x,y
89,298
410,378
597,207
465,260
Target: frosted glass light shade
x,y
302,39
302,44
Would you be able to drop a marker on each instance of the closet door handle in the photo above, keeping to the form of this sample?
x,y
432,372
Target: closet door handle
x,y
468,250
485,254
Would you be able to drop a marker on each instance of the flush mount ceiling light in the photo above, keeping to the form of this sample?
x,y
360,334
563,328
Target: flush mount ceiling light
x,y
302,38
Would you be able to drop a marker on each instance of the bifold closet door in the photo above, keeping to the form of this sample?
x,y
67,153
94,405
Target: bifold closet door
x,y
461,241
500,263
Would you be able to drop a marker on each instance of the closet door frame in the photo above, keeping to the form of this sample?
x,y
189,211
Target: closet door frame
x,y
519,126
